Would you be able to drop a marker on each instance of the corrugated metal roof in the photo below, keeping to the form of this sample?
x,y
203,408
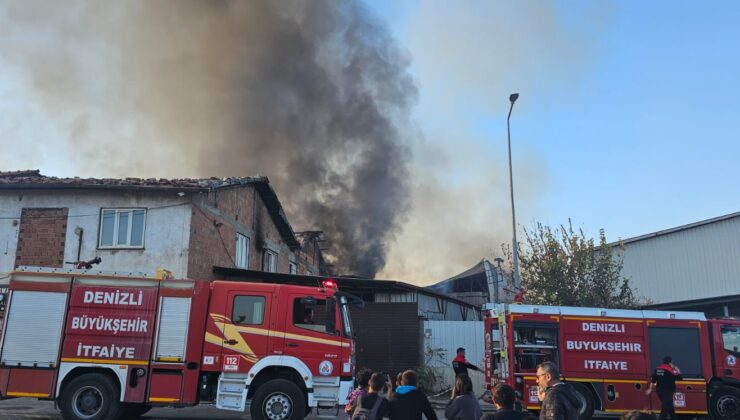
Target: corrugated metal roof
x,y
676,229
344,283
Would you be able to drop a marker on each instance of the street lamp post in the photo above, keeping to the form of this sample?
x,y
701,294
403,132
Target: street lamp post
x,y
512,98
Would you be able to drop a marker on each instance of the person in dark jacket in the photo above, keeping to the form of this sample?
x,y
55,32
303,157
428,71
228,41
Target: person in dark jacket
x,y
463,405
408,403
664,380
504,398
560,400
377,383
460,364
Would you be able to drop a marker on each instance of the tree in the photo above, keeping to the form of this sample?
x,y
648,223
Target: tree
x,y
562,267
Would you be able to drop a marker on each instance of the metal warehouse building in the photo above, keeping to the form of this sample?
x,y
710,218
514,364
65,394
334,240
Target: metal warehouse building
x,y
692,267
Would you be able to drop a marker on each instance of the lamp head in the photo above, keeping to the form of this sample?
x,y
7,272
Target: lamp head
x,y
513,97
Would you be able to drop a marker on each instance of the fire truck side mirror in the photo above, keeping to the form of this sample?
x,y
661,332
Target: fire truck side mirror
x,y
331,315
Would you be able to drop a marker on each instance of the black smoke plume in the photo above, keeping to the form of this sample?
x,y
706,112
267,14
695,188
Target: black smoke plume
x,y
314,94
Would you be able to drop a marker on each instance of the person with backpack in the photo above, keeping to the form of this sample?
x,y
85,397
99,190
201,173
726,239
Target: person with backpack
x,y
363,379
408,403
463,405
374,406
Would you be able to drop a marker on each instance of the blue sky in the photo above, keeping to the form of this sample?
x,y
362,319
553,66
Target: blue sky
x,y
640,134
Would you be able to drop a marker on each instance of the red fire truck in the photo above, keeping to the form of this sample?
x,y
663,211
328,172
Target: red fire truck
x,y
107,346
608,355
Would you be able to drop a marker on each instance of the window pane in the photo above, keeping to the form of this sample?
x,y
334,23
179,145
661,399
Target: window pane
x,y
293,269
311,317
123,228
137,228
731,338
242,251
106,228
248,310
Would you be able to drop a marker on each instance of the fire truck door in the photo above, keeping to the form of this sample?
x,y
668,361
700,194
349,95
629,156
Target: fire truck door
x,y
727,349
307,338
245,338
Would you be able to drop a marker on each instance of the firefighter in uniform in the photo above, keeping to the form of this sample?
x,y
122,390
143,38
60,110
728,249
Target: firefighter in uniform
x,y
664,379
460,364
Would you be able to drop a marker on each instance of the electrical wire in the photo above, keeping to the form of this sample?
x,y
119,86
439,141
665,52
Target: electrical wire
x,y
88,215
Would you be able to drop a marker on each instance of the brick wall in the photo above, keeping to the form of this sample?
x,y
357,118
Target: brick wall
x,y
234,210
41,237
210,244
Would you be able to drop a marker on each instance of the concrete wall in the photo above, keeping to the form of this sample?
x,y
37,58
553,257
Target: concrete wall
x,y
165,238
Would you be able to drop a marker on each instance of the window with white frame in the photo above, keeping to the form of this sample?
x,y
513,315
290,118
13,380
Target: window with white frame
x,y
242,251
270,261
122,228
293,268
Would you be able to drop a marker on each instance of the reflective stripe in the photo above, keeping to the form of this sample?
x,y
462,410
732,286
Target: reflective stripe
x,y
27,394
168,400
105,361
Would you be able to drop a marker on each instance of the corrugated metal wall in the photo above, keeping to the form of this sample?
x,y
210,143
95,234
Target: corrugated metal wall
x,y
431,307
448,336
388,336
694,263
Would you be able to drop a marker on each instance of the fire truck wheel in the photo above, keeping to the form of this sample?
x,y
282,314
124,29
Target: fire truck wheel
x,y
92,396
587,401
725,403
278,399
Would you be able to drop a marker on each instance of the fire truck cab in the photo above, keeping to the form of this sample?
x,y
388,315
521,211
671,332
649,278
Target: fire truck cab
x,y
608,355
111,345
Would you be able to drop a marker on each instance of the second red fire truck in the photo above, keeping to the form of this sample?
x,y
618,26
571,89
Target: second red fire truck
x,y
106,346
608,355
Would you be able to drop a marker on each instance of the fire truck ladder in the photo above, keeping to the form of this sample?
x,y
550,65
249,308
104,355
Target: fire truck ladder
x,y
28,269
504,369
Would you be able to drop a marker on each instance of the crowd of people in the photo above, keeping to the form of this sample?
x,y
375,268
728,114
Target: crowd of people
x,y
376,397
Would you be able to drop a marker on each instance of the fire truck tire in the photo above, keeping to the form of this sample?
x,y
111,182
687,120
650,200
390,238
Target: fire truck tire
x,y
587,401
278,399
92,396
725,403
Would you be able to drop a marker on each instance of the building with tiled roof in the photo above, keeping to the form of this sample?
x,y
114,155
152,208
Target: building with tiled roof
x,y
187,226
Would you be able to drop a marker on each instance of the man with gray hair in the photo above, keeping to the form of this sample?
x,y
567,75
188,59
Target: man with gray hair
x,y
560,400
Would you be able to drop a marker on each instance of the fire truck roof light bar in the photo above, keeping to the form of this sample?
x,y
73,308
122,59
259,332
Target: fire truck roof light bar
x,y
329,284
592,312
